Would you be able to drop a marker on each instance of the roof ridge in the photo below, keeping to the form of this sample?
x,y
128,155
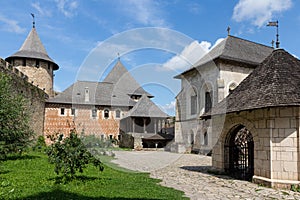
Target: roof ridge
x,y
247,40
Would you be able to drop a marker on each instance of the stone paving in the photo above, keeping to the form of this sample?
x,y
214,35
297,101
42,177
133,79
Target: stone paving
x,y
189,173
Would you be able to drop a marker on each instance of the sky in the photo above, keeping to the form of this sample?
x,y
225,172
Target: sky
x,y
154,39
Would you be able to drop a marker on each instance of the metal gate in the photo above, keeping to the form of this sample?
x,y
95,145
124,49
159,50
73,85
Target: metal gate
x,y
239,153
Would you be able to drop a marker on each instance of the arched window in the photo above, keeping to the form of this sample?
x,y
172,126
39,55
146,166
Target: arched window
x,y
208,101
106,113
205,139
193,101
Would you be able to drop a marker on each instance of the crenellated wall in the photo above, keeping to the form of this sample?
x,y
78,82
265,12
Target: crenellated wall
x,y
35,96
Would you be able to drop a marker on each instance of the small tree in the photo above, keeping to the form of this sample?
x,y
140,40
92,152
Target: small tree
x,y
15,133
70,155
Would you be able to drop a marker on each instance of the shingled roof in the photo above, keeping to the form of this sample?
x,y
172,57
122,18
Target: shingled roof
x,y
146,108
124,82
115,90
100,93
33,48
275,82
234,49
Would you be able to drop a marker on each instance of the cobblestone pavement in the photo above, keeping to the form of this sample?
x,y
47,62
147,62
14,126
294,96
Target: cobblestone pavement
x,y
189,173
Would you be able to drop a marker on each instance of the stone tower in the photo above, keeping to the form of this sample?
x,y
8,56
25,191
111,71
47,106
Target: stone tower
x,y
32,59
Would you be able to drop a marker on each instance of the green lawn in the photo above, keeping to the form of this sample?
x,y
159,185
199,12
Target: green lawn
x,y
32,177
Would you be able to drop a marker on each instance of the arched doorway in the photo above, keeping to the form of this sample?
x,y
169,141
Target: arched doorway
x,y
239,153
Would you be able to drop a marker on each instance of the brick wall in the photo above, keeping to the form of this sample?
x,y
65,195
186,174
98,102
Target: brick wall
x,y
83,121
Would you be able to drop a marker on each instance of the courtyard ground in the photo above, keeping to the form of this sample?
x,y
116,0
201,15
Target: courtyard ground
x,y
190,173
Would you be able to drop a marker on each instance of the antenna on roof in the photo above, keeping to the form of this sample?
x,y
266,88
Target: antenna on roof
x,y
275,23
228,30
118,56
33,21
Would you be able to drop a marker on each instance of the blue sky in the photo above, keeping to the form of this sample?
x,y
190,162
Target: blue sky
x,y
84,37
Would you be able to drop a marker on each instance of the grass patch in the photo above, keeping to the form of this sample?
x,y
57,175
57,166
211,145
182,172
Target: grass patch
x,y
32,177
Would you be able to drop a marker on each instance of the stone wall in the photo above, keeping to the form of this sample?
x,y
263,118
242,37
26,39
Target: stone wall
x,y
39,74
216,78
275,133
35,96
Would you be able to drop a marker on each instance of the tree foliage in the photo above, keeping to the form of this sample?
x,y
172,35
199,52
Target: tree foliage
x,y
70,155
15,133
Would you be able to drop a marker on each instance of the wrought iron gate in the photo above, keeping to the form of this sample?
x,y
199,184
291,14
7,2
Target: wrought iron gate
x,y
240,154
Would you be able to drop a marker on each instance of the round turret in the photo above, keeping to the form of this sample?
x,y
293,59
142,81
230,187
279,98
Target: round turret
x,y
33,60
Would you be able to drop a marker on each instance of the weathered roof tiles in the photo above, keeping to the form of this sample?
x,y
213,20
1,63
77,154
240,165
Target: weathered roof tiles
x,y
274,83
33,48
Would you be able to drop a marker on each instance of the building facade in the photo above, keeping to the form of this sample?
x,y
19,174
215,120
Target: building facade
x,y
214,76
91,108
260,127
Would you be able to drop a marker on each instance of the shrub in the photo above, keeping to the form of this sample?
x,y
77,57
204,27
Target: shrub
x,y
40,144
15,133
70,155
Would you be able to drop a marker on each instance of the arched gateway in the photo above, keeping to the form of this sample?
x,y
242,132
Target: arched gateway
x,y
239,153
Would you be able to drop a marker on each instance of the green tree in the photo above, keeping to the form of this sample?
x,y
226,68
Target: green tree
x,y
15,133
70,155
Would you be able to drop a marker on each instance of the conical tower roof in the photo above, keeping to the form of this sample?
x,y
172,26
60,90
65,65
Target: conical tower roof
x,y
33,48
123,81
274,83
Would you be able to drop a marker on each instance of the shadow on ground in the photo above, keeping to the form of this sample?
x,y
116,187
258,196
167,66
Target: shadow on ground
x,y
207,170
59,194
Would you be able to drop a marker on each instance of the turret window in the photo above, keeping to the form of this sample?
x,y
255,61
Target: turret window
x,y
37,63
24,62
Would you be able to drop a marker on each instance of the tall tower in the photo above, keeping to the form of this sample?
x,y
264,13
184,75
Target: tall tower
x,y
32,59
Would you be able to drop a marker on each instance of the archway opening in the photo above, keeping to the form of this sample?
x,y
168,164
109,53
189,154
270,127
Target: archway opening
x,y
239,153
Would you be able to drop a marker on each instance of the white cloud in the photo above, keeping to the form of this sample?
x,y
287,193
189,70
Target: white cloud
x,y
11,25
146,12
41,11
189,56
67,7
194,8
169,107
259,12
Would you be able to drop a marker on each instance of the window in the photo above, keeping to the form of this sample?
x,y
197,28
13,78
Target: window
x,y
62,111
110,137
86,94
119,137
118,113
73,111
37,63
106,113
193,104
94,112
24,62
205,138
208,101
232,86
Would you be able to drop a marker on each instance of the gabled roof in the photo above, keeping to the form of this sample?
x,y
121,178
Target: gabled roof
x,y
275,82
33,48
100,93
235,49
123,81
146,108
